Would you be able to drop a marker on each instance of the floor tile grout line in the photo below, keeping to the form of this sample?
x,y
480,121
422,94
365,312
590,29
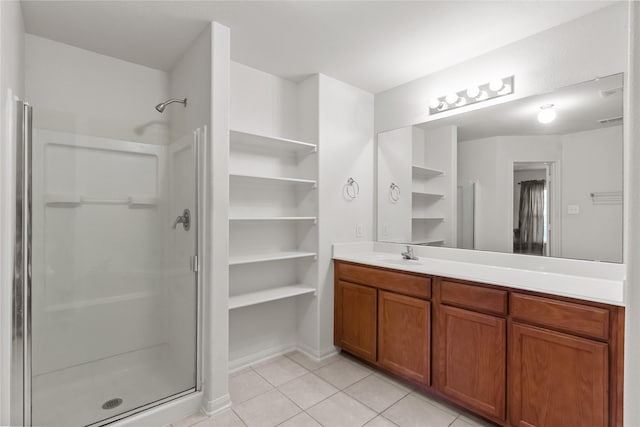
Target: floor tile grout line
x,y
387,419
454,420
373,409
238,416
273,387
431,402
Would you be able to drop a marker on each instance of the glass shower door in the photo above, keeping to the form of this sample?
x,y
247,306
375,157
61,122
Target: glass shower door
x,y
114,310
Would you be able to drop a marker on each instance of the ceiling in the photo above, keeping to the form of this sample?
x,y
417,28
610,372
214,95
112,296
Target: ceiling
x,y
374,45
579,108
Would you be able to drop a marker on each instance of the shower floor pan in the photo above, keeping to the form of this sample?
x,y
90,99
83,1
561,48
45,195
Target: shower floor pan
x,y
92,392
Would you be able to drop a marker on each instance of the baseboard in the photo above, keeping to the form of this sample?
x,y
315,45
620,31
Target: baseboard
x,y
259,357
212,407
316,355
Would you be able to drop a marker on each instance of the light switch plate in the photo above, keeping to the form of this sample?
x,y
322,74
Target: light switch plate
x,y
573,209
359,230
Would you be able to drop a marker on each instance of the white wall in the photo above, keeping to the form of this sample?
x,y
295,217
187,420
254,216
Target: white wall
x,y
592,162
593,45
394,165
79,91
263,103
11,86
631,222
346,150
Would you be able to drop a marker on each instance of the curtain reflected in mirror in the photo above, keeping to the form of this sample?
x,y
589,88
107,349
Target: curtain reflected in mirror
x,y
530,236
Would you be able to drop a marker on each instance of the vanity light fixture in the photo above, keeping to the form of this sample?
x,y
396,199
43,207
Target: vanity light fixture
x,y
547,114
494,89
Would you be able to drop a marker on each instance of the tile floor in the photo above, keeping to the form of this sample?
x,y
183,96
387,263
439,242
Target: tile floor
x,y
295,391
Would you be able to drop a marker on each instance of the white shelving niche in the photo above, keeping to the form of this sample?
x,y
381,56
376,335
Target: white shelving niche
x,y
273,214
433,183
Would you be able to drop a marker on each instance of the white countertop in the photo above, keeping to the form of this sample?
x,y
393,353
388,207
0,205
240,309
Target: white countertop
x,y
587,280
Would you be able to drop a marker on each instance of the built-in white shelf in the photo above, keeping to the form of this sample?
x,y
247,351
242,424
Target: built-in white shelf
x,y
422,172
272,143
427,195
428,242
268,295
427,218
75,200
275,218
273,179
275,256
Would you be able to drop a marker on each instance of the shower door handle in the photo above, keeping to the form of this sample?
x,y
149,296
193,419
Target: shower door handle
x,y
184,219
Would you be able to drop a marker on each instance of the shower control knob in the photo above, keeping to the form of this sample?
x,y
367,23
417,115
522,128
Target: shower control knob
x,y
184,219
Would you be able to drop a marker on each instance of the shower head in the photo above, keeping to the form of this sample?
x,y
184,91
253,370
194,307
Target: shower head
x,y
160,107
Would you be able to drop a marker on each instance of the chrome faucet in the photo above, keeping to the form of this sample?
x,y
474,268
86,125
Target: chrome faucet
x,y
408,254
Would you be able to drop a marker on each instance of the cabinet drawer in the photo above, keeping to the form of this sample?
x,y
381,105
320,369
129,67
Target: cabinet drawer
x,y
402,283
566,316
474,297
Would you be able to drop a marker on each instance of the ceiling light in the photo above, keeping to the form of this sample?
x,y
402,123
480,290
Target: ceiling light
x,y
473,92
452,98
547,114
434,103
471,95
496,85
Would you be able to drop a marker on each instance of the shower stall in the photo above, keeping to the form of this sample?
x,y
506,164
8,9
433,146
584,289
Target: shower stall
x,y
106,291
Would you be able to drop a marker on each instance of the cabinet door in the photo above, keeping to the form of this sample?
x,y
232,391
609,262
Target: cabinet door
x,y
556,380
404,328
470,359
355,319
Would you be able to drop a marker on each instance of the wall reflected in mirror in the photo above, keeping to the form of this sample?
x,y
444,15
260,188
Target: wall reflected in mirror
x,y
538,176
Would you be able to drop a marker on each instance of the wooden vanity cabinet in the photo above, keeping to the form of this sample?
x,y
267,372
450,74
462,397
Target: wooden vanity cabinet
x,y
517,358
355,325
470,346
557,379
404,335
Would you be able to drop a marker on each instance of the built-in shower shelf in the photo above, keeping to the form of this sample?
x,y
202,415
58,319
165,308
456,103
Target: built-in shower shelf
x,y
422,172
274,218
275,256
427,195
268,295
277,180
270,143
72,201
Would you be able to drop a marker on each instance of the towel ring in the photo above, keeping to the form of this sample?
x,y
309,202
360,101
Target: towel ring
x,y
394,192
352,188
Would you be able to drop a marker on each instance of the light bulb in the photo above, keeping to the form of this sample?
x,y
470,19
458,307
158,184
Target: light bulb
x,y
547,114
496,85
452,98
434,103
473,92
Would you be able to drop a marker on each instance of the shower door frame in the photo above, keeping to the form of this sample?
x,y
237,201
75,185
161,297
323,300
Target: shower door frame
x,y
20,405
21,357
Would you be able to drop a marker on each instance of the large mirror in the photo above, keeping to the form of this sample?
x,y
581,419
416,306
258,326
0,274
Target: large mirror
x,y
540,176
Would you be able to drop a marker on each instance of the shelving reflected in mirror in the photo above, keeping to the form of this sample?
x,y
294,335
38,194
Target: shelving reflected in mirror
x,y
540,175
